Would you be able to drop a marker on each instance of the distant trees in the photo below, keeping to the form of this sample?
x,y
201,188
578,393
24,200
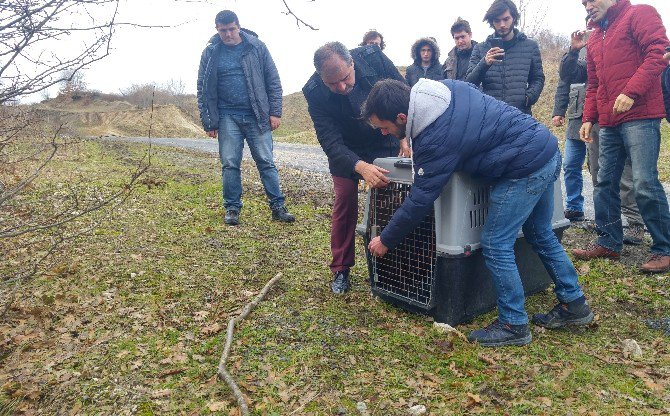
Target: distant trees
x,y
73,83
170,93
142,95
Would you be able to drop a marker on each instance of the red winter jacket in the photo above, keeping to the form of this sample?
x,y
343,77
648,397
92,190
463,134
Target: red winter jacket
x,y
626,57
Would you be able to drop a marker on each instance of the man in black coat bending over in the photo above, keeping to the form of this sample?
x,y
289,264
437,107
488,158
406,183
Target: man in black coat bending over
x,y
335,93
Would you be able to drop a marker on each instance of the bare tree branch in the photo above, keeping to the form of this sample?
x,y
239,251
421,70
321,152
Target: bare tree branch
x,y
222,371
298,20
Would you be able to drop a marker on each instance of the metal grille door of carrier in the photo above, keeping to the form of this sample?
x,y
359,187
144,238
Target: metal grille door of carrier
x,y
407,272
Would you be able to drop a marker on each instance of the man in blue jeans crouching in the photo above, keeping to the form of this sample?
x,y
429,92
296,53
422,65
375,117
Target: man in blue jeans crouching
x,y
455,127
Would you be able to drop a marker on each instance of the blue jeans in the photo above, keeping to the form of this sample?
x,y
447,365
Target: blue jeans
x,y
640,140
573,160
233,129
527,204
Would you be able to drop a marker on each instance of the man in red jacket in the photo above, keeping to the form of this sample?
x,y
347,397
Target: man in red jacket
x,y
623,94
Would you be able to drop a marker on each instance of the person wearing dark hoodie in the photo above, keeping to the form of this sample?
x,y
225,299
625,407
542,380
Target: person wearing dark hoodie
x,y
240,97
508,65
426,57
452,126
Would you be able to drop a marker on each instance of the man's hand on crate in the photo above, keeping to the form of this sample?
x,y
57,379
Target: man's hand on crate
x,y
377,248
373,175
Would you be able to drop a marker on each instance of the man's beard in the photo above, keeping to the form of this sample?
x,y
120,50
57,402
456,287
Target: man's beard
x,y
503,34
403,130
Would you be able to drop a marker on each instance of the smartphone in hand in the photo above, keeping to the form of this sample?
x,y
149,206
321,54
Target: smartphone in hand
x,y
496,42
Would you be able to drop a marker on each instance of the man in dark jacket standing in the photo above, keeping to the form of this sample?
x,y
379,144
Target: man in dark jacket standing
x,y
240,96
458,58
624,62
335,93
454,127
426,57
508,65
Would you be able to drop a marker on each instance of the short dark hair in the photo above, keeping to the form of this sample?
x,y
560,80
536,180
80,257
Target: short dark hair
x,y
460,25
499,7
387,99
371,34
325,52
226,17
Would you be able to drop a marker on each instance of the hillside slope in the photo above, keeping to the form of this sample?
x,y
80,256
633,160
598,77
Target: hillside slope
x,y
98,117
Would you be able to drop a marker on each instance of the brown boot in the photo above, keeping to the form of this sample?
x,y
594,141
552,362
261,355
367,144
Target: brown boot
x,y
595,251
657,263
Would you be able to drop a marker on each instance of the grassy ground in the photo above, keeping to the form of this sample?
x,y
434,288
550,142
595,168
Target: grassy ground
x,y
132,319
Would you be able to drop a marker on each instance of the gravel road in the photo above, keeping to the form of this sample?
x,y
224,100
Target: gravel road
x,y
298,156
309,158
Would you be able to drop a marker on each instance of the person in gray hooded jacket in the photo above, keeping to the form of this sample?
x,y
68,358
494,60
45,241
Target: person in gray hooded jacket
x,y
426,57
454,127
240,97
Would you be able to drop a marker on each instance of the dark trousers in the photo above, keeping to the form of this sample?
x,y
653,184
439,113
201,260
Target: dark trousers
x,y
344,218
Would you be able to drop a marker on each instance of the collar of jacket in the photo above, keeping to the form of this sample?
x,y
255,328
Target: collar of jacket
x,y
614,12
250,40
463,52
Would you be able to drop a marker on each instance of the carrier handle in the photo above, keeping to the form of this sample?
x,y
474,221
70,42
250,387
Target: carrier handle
x,y
403,163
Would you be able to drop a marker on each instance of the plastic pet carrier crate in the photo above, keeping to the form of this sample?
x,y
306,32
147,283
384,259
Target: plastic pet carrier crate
x,y
438,269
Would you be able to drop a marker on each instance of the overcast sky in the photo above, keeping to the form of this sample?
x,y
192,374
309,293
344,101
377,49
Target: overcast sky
x,y
158,55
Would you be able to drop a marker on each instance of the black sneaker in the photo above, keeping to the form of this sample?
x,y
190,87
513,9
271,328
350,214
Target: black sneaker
x,y
576,312
499,334
232,217
282,214
340,284
574,215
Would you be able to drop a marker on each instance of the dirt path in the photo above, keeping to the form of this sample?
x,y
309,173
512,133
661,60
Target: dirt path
x,y
298,156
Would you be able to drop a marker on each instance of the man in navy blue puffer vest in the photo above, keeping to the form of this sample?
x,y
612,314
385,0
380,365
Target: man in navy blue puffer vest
x,y
455,127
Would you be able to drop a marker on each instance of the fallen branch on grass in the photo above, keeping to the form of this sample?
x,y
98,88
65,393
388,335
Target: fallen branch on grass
x,y
222,372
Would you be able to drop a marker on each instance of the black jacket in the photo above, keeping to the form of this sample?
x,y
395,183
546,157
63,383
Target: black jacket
x,y
415,71
573,67
452,65
571,88
265,91
518,80
344,137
